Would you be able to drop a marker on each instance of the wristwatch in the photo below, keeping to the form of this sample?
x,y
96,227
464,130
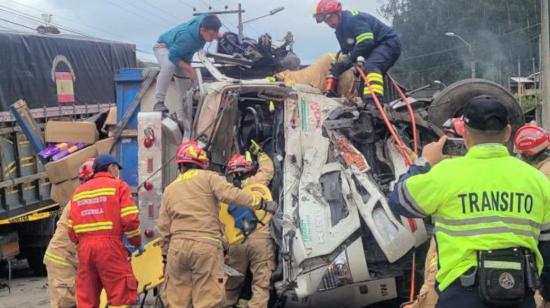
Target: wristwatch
x,y
422,164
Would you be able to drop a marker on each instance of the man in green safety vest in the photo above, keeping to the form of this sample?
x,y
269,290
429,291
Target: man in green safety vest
x,y
491,214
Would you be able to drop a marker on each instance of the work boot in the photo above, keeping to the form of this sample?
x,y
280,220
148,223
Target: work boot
x,y
160,107
370,101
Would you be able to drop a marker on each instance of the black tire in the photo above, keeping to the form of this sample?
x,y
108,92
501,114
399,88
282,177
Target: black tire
x,y
450,102
35,259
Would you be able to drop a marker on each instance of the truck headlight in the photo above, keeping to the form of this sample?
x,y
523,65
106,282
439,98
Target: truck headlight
x,y
338,273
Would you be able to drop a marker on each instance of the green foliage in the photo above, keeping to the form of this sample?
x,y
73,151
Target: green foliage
x,y
527,103
503,33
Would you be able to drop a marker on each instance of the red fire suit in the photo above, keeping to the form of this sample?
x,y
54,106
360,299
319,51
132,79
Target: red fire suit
x,y
102,210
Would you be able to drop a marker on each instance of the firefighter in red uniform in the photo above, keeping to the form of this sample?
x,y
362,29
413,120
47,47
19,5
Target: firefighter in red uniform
x,y
102,211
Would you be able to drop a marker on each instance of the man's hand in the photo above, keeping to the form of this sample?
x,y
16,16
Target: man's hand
x,y
184,66
269,206
340,67
255,148
433,152
140,249
192,75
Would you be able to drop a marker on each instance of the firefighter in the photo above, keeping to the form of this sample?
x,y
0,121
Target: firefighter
x,y
60,256
491,229
257,251
361,34
531,143
190,231
102,211
174,51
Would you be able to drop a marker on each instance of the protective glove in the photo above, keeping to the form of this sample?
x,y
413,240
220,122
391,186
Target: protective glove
x,y
269,206
340,67
245,220
255,148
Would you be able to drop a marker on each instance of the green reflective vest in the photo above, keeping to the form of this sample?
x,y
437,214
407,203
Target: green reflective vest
x,y
482,201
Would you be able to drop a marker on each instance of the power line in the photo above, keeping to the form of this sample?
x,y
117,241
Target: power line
x,y
153,10
459,47
18,24
162,10
33,18
36,19
70,20
139,15
431,68
432,53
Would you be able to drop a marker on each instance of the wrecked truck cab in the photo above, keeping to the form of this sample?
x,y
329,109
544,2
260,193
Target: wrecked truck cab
x,y
334,219
338,241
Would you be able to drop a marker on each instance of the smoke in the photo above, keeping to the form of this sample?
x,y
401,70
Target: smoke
x,y
489,54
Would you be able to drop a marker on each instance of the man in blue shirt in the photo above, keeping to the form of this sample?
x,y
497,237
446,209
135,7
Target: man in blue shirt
x,y
361,34
174,51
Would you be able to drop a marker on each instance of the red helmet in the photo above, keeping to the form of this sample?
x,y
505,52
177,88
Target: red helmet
x,y
191,153
326,8
86,170
454,126
239,164
531,140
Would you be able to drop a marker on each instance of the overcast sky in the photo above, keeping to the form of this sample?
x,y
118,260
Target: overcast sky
x,y
142,21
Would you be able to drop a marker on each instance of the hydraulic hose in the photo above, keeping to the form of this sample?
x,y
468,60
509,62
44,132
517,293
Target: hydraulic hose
x,y
402,147
411,113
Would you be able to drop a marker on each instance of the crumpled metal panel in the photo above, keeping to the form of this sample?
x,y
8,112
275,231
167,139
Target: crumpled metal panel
x,y
315,236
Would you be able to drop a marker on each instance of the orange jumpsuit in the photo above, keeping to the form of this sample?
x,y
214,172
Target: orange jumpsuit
x,y
102,210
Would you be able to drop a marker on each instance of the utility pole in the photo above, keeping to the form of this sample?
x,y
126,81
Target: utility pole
x,y
472,62
545,67
239,11
241,31
470,49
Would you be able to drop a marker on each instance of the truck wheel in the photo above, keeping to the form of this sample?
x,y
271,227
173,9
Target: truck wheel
x,y
450,102
35,258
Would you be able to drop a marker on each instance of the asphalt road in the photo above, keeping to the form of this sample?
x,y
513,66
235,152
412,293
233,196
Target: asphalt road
x,y
25,289
29,291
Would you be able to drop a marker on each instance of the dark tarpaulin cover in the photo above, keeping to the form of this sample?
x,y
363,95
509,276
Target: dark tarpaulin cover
x,y
26,70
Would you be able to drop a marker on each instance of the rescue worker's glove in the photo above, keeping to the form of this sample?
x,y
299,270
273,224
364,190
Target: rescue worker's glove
x,y
245,220
269,206
255,148
340,67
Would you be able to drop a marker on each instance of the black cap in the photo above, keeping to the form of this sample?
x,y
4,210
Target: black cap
x,y
485,113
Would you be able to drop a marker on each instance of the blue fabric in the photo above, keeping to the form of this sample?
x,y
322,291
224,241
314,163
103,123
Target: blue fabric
x,y
103,160
245,219
397,201
131,248
354,26
184,40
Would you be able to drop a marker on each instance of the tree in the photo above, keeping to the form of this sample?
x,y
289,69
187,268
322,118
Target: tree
x,y
504,35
